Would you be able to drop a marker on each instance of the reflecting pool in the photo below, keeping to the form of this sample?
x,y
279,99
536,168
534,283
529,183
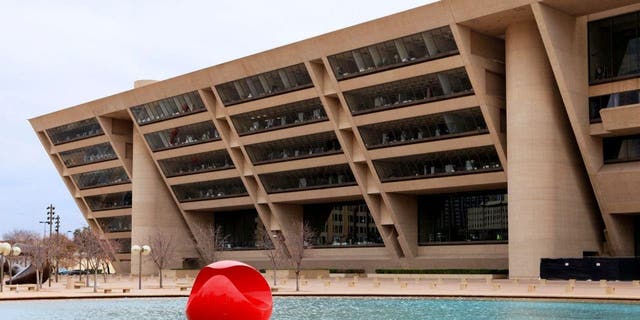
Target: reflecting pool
x,y
326,309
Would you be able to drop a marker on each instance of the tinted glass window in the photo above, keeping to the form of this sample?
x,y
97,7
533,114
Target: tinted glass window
x,y
101,178
307,179
614,48
438,164
279,117
463,217
406,92
182,136
75,131
168,108
411,49
621,149
265,84
342,224
424,128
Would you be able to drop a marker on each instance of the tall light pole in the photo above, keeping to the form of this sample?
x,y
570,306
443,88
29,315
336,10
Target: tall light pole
x,y
58,243
6,250
50,214
51,218
140,251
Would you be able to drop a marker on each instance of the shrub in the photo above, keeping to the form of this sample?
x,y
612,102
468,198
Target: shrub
x,y
442,271
346,271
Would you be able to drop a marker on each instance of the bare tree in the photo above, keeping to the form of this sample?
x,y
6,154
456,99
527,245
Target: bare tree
x,y
210,241
61,250
270,250
34,248
39,258
90,243
109,249
301,240
163,251
19,236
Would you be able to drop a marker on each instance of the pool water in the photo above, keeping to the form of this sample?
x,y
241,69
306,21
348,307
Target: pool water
x,y
323,308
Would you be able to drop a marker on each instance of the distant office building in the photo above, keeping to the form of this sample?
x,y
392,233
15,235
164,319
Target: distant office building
x,y
461,134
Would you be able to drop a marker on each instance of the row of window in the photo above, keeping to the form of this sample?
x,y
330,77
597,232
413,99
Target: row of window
x,y
168,108
74,131
196,163
431,165
182,136
412,130
115,224
310,178
209,190
411,49
279,117
87,155
480,216
265,84
109,201
447,163
294,148
424,128
101,178
401,93
482,159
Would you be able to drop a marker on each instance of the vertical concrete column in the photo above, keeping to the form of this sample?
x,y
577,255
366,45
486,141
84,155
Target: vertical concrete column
x,y
551,208
154,211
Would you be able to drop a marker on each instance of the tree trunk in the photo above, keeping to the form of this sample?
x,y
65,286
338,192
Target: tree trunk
x,y
50,272
10,273
95,279
160,277
297,279
80,273
275,282
37,279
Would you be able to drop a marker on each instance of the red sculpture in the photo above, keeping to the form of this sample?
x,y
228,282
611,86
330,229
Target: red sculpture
x,y
229,290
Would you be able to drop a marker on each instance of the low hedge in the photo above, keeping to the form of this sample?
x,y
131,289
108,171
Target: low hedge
x,y
359,271
441,271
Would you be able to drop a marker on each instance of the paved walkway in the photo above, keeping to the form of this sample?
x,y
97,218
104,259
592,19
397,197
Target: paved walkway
x,y
350,286
434,287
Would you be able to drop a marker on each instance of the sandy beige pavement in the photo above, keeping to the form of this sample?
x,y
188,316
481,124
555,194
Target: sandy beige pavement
x,y
403,285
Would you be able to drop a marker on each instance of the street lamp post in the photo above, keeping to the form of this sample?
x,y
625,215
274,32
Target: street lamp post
x,y
50,220
140,251
44,228
6,250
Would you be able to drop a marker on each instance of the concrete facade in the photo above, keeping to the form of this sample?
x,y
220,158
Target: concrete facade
x,y
521,66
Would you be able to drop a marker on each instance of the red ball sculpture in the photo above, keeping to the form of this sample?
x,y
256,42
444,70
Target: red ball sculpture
x,y
229,290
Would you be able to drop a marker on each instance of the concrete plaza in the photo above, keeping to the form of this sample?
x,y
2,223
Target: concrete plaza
x,y
342,285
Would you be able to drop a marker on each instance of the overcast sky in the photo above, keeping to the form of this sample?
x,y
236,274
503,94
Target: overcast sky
x,y
57,54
